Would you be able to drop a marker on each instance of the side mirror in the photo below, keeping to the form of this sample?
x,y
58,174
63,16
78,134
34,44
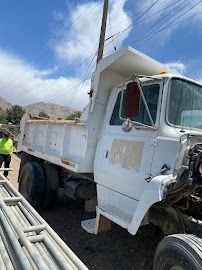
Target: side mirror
x,y
127,126
132,100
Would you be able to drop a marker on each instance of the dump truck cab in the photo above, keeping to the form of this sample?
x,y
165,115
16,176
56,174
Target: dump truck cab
x,y
148,163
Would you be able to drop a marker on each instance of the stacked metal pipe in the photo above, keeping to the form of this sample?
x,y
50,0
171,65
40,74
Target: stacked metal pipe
x,y
26,240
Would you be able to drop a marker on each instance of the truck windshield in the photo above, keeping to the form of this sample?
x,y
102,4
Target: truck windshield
x,y
185,104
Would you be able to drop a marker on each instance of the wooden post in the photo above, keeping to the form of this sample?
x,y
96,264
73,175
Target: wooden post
x,y
103,31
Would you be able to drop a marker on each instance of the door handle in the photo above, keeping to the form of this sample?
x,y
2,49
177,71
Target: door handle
x,y
106,154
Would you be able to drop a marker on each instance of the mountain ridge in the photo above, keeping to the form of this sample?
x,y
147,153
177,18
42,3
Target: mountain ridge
x,y
54,111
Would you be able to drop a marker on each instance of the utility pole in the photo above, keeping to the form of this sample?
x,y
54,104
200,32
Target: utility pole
x,y
103,31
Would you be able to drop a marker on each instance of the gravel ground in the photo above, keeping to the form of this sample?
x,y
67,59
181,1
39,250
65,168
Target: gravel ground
x,y
113,250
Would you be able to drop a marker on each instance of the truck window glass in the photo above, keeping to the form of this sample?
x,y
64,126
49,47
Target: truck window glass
x,y
151,93
185,104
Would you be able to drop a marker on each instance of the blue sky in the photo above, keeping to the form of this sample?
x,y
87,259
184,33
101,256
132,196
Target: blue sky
x,y
38,53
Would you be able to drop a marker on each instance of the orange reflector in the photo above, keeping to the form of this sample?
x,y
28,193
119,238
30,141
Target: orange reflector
x,y
163,72
196,80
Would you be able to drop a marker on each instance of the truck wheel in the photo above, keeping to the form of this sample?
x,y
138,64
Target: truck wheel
x,y
51,184
31,183
179,252
24,159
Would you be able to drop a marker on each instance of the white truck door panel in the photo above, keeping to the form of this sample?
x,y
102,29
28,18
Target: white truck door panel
x,y
123,160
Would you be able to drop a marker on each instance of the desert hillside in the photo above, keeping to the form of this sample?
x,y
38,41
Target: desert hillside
x,y
54,111
4,104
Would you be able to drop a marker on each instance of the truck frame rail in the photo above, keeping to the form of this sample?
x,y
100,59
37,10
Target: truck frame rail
x,y
26,240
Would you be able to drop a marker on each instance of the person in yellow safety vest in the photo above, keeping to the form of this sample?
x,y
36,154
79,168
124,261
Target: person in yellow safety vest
x,y
6,151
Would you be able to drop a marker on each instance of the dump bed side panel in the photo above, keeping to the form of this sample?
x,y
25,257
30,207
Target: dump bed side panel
x,y
59,142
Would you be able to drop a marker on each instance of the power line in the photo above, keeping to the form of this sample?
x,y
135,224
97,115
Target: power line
x,y
75,84
135,23
79,80
72,26
80,86
131,25
111,33
79,64
69,72
46,88
165,28
74,68
79,90
186,19
168,25
93,56
82,63
142,37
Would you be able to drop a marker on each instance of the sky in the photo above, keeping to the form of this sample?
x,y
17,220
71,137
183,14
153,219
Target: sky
x,y
48,48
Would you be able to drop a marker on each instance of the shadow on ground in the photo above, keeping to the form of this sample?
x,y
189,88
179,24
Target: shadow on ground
x,y
116,249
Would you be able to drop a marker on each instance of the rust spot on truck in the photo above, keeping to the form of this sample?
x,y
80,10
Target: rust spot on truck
x,y
127,153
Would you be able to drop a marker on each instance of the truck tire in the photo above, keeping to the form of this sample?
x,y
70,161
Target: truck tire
x,y
179,252
24,158
31,183
51,184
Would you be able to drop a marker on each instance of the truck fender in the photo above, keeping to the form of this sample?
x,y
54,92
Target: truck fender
x,y
154,192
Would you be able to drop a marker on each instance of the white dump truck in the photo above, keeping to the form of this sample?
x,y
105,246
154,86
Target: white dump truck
x,y
137,147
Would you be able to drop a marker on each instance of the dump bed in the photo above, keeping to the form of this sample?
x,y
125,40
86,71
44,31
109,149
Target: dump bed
x,y
60,142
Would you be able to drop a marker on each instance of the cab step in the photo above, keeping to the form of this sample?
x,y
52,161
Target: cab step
x,y
116,215
89,225
105,215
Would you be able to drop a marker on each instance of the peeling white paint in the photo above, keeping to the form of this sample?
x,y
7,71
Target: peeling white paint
x,y
127,153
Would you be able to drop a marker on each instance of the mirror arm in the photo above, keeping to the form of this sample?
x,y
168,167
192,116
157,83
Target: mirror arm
x,y
135,77
121,102
145,102
140,125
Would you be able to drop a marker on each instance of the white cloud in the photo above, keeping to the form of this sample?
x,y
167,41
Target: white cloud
x,y
23,86
16,88
177,66
58,15
83,40
176,9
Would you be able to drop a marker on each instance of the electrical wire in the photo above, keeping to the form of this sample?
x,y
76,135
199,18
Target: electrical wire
x,y
86,60
69,72
168,25
81,63
159,25
111,33
133,23
46,88
76,84
173,24
80,85
72,26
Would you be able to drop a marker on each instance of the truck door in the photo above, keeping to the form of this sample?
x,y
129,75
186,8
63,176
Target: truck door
x,y
123,160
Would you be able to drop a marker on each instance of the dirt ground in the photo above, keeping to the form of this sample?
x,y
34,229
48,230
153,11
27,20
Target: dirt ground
x,y
113,250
